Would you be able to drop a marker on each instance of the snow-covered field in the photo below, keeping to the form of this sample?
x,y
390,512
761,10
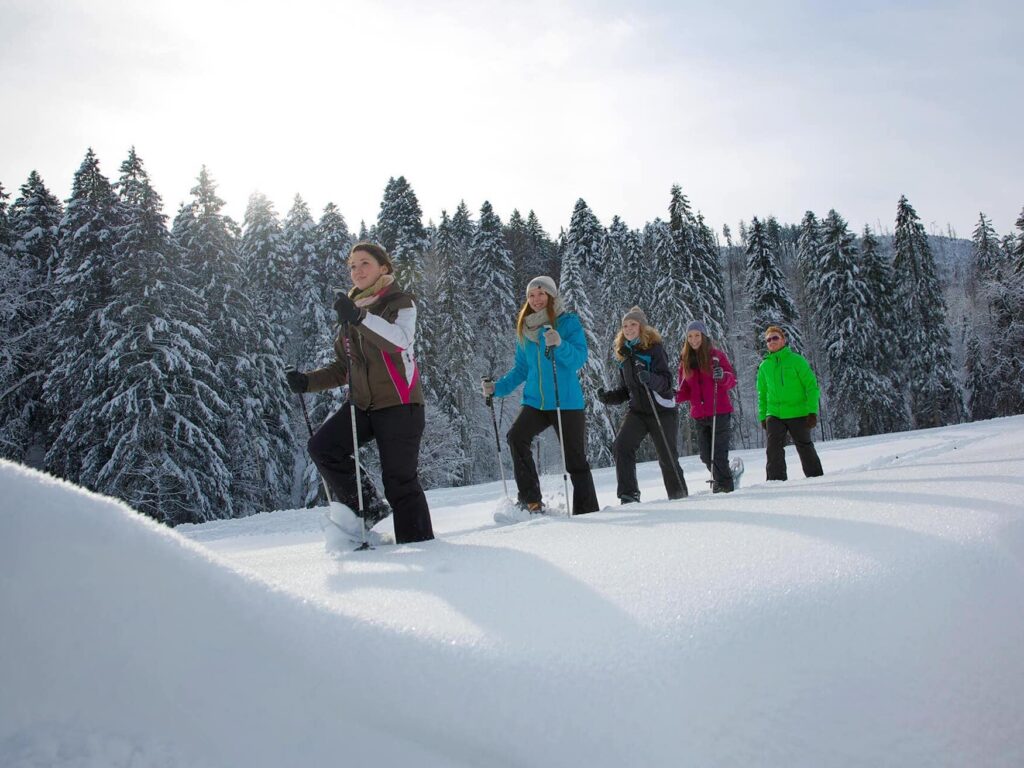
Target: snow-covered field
x,y
872,617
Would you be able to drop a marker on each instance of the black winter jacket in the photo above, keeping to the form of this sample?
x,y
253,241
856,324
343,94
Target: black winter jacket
x,y
662,384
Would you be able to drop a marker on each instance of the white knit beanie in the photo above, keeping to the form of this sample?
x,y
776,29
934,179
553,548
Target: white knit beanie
x,y
545,283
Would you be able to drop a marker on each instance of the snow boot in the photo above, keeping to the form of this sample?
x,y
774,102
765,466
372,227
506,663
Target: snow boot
x,y
376,511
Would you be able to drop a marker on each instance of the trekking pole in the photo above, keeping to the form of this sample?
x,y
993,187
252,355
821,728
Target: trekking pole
x,y
497,440
355,438
661,431
714,419
549,352
309,428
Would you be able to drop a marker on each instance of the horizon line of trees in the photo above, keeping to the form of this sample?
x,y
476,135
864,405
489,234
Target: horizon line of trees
x,y
143,358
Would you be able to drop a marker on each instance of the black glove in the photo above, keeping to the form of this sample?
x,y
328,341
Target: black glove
x,y
602,395
627,352
812,420
644,376
717,373
348,312
764,424
297,382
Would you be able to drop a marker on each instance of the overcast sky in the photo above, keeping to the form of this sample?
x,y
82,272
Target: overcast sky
x,y
754,108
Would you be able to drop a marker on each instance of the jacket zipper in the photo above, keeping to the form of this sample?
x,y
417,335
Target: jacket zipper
x,y
540,378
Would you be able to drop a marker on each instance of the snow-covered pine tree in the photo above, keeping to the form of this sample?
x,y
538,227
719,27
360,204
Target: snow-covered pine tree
x,y
934,394
985,254
697,266
1018,250
812,302
255,433
152,431
709,280
979,383
333,242
520,247
808,284
310,287
617,288
858,384
670,311
1004,295
491,273
82,289
452,388
573,289
23,301
768,299
586,237
269,270
639,271
549,261
876,271
400,230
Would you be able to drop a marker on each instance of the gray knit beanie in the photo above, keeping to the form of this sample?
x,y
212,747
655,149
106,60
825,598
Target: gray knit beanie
x,y
635,313
697,325
544,282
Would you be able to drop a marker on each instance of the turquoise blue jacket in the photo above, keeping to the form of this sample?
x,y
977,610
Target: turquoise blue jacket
x,y
532,367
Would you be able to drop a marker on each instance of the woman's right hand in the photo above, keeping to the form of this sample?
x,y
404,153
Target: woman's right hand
x,y
297,382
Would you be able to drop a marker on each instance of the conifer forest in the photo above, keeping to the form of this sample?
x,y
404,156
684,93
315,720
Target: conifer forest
x,y
142,356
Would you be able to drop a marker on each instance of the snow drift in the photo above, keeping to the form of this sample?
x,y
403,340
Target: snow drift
x,y
872,616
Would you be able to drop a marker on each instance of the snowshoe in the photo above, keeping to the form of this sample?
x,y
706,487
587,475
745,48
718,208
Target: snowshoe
x,y
736,466
343,531
509,512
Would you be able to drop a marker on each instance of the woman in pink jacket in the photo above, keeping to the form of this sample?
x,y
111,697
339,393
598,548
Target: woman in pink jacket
x,y
705,378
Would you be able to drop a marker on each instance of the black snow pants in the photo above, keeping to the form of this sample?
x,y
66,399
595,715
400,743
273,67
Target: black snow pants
x,y
634,428
776,447
398,431
531,422
718,464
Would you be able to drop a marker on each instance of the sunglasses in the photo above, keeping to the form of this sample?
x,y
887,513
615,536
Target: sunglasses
x,y
773,338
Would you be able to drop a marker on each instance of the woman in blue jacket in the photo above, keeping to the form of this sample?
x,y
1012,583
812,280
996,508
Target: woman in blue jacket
x,y
543,323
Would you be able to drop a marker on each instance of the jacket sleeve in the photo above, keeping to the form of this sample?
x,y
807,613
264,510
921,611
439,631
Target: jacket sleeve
x,y
683,391
572,352
729,378
621,394
661,376
394,336
810,382
334,374
762,393
616,396
507,384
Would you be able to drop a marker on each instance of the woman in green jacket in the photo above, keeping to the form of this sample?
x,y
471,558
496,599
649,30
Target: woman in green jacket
x,y
787,402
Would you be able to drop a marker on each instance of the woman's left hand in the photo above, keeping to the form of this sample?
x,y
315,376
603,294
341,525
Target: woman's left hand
x,y
552,338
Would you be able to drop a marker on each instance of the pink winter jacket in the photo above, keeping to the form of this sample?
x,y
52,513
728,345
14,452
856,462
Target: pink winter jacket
x,y
699,388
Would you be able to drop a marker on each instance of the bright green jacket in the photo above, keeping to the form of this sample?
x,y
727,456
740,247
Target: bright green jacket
x,y
786,386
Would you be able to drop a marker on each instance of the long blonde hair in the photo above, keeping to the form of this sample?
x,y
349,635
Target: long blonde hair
x,y
696,359
526,310
648,338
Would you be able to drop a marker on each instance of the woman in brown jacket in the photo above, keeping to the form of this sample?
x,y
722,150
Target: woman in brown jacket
x,y
377,333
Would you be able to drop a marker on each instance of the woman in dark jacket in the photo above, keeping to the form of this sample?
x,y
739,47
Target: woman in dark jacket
x,y
377,333
646,382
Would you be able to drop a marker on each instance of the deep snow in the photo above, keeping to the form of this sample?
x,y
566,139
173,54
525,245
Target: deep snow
x,y
869,617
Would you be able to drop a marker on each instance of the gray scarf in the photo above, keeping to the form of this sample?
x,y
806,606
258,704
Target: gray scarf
x,y
534,321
